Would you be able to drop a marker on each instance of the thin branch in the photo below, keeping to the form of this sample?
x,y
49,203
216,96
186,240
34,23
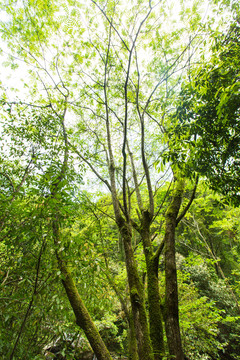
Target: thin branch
x,y
90,166
24,103
99,208
146,169
111,24
159,251
9,179
163,201
25,175
66,153
5,279
183,213
126,119
112,169
166,75
139,198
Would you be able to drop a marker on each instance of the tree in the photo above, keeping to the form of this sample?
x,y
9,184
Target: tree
x,y
117,85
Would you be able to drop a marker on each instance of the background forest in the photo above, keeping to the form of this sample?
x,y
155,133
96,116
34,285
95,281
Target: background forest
x,y
119,180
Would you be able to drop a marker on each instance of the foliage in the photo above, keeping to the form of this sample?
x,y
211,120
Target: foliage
x,y
207,118
211,228
102,79
199,322
224,312
208,238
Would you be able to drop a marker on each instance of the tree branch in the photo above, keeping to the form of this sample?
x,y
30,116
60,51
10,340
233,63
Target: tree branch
x,y
90,166
183,213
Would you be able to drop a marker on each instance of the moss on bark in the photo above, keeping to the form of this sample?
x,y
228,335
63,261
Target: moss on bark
x,y
145,351
132,341
171,290
154,301
83,318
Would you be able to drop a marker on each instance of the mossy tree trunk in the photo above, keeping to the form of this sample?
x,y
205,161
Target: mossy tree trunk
x,y
132,340
154,300
83,318
171,290
145,351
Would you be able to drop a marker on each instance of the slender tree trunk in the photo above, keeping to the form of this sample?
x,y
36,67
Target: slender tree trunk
x,y
154,300
145,351
132,341
83,318
171,292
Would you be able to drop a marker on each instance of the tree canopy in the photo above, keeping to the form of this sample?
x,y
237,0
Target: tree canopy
x,y
103,249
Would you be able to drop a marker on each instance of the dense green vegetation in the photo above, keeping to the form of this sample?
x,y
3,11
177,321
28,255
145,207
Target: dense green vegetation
x,y
119,180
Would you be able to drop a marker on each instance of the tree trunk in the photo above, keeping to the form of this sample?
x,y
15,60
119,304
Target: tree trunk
x,y
154,301
132,341
83,318
171,292
145,351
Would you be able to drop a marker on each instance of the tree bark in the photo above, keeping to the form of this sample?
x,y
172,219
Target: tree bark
x,y
145,351
171,291
132,341
154,300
